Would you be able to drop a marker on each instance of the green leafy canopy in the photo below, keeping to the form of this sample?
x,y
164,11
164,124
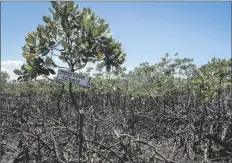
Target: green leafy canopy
x,y
75,37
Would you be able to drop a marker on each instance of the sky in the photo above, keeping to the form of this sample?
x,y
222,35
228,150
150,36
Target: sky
x,y
147,30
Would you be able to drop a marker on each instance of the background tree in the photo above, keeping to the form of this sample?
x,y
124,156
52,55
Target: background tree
x,y
4,77
212,78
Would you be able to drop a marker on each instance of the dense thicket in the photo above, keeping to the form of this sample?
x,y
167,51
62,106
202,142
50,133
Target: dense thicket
x,y
156,116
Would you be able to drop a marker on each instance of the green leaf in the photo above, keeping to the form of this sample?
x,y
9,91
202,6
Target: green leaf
x,y
88,54
40,60
30,39
46,19
87,22
44,51
90,60
29,63
64,44
40,28
19,78
95,32
17,72
78,40
51,71
86,44
84,60
23,67
52,11
54,4
74,10
33,74
26,73
48,61
51,43
70,4
108,67
35,62
43,71
28,68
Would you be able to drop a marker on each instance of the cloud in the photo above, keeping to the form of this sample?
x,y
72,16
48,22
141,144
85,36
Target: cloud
x,y
9,66
10,63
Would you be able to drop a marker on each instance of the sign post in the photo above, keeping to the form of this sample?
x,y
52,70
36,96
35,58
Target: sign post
x,y
77,79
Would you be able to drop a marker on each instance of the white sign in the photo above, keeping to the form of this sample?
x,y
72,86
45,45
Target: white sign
x,y
72,77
